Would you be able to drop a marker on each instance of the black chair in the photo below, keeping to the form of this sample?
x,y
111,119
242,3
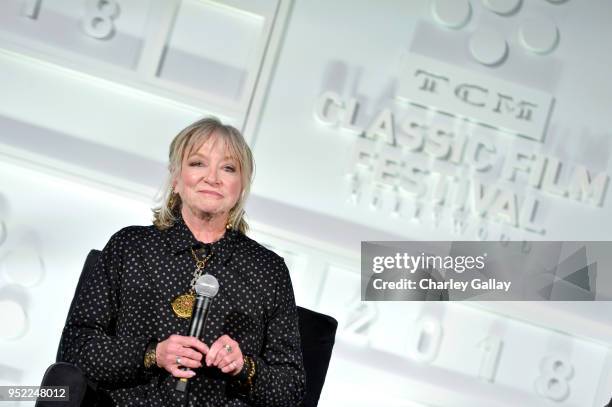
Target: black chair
x,y
317,333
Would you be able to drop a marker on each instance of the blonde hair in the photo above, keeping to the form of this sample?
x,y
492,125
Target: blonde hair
x,y
190,139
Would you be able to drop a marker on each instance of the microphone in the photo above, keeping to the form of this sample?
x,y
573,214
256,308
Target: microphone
x,y
206,288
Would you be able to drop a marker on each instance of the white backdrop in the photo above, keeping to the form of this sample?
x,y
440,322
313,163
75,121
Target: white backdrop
x,y
87,113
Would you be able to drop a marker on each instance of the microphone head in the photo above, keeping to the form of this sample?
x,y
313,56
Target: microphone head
x,y
207,286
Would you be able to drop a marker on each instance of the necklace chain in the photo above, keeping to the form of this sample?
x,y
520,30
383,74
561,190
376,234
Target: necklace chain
x,y
200,264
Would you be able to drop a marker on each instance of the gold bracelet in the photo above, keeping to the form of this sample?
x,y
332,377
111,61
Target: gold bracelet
x,y
150,358
251,370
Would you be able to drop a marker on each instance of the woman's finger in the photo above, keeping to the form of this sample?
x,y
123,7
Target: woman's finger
x,y
228,347
191,342
229,368
177,372
229,359
187,362
213,351
189,353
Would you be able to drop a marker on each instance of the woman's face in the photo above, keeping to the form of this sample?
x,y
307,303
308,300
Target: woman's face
x,y
210,180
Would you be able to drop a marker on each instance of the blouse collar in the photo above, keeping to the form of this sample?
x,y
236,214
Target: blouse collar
x,y
178,238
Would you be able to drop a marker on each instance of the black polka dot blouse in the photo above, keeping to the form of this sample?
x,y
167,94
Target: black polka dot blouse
x,y
126,304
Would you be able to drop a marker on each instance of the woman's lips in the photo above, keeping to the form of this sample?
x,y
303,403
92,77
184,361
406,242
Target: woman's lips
x,y
213,193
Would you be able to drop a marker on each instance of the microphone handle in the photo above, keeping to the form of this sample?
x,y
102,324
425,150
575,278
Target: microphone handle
x,y
196,329
200,313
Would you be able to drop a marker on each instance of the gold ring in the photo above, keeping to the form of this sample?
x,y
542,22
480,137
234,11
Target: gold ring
x,y
228,348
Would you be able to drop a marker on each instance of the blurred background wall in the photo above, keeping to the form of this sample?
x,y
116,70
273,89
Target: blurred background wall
x,y
369,120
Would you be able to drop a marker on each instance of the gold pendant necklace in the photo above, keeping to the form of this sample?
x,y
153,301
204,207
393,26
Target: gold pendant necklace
x,y
182,304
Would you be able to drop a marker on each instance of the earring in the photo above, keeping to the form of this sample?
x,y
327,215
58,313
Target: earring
x,y
172,200
228,226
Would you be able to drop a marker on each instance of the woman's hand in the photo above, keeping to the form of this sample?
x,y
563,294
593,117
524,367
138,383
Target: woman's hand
x,y
226,355
177,351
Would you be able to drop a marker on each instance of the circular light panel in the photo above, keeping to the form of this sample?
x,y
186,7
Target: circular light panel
x,y
451,13
488,47
502,7
13,319
539,35
23,267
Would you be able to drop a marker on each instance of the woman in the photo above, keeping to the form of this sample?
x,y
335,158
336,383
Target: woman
x,y
127,324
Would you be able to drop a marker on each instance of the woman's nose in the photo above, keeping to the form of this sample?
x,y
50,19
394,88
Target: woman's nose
x,y
212,176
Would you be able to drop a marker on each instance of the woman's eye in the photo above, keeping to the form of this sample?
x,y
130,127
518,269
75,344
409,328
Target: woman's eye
x,y
230,168
195,164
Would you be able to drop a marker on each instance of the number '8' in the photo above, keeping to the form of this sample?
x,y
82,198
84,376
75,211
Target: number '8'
x,y
99,18
556,371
